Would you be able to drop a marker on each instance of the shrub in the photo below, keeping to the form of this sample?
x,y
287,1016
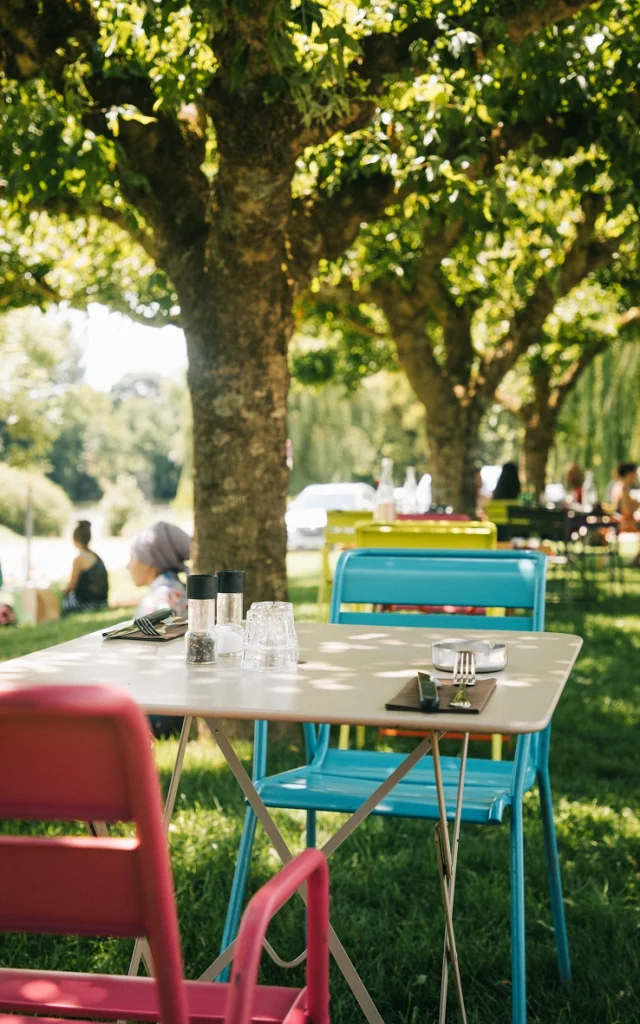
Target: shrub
x,y
121,501
51,506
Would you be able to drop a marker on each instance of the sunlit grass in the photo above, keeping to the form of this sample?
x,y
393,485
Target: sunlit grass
x,y
385,903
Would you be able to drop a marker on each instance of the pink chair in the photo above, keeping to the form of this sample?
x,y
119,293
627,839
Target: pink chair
x,y
84,753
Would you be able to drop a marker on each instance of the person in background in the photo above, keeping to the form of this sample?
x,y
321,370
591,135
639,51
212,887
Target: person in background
x,y
508,485
88,588
158,556
575,480
157,559
627,506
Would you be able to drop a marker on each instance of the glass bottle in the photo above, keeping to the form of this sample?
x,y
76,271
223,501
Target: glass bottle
x,y
385,509
200,638
589,493
410,492
231,586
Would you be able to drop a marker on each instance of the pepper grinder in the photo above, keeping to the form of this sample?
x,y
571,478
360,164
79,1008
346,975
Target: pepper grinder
x,y
201,634
231,584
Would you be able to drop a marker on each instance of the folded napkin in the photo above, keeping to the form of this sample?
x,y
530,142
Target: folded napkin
x,y
172,633
408,699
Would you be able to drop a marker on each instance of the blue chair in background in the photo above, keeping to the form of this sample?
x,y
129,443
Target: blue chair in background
x,y
341,780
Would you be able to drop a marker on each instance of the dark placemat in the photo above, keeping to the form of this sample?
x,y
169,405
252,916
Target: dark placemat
x,y
172,633
408,698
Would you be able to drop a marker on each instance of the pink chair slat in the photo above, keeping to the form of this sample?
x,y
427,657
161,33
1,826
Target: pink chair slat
x,y
77,885
75,761
117,998
76,752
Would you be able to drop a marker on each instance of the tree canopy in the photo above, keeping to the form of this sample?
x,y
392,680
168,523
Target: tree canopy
x,y
242,145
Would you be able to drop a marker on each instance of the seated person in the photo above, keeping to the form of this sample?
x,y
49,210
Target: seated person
x,y
575,482
507,489
157,558
88,588
627,506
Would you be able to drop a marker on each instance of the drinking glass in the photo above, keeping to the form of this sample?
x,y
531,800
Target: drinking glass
x,y
270,642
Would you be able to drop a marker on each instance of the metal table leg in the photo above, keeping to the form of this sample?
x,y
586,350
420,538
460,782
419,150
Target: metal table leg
x,y
444,984
447,875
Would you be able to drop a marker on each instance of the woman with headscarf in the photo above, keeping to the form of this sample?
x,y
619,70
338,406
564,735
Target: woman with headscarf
x,y
157,558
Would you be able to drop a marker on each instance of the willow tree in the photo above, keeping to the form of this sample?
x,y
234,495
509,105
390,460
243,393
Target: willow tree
x,y
584,328
187,127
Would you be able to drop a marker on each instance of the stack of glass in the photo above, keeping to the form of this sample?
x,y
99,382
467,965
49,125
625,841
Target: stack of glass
x,y
270,639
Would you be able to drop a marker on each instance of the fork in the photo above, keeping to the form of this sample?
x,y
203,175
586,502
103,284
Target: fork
x,y
146,626
149,624
464,674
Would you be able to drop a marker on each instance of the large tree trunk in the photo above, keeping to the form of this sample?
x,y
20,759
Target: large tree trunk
x,y
452,430
238,330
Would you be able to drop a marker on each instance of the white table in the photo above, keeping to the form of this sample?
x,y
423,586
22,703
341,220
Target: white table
x,y
347,675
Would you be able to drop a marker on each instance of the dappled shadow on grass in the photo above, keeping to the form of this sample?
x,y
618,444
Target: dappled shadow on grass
x,y
385,894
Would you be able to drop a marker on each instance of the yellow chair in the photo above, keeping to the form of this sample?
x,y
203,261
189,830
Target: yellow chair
x,y
427,533
339,531
430,534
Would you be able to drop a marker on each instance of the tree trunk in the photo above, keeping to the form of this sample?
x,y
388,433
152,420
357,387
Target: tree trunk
x,y
452,430
238,327
453,417
539,433
540,418
537,446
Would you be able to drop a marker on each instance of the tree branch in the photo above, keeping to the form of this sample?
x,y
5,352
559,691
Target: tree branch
x,y
584,256
535,16
324,228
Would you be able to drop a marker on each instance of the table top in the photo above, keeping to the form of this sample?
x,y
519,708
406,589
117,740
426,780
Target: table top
x,y
348,674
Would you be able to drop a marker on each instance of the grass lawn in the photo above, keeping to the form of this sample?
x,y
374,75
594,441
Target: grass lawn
x,y
386,905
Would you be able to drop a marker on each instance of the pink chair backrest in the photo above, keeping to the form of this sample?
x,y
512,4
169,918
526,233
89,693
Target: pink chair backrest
x,y
84,753
453,517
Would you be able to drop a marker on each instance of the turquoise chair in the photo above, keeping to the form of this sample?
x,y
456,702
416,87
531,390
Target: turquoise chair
x,y
341,780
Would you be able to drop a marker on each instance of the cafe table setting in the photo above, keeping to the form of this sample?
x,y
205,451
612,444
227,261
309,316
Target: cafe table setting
x,y
331,674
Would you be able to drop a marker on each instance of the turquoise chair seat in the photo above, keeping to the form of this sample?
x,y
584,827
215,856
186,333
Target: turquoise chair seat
x,y
346,778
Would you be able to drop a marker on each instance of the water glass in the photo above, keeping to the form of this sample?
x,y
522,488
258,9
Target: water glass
x,y
270,641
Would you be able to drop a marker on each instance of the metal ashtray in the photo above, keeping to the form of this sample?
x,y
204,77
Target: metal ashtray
x,y
490,655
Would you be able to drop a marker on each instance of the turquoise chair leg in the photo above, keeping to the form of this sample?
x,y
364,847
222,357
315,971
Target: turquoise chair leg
x,y
234,910
555,882
311,829
518,957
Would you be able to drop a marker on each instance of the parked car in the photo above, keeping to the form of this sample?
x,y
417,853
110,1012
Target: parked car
x,y
306,516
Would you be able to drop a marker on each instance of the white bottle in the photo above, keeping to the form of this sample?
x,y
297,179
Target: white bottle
x,y
589,493
385,510
410,492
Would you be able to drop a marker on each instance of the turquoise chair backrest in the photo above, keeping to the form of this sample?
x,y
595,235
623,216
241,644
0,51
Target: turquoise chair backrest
x,y
498,580
478,579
